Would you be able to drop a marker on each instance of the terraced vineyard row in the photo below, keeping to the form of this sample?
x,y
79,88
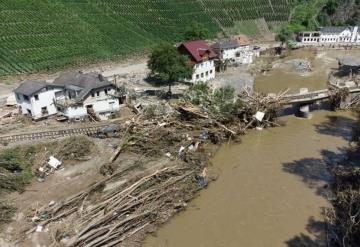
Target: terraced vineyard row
x,y
45,34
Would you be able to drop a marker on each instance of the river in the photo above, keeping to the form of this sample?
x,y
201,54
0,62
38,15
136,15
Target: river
x,y
270,189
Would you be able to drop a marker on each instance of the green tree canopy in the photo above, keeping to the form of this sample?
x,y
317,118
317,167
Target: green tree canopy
x,y
196,31
168,65
284,34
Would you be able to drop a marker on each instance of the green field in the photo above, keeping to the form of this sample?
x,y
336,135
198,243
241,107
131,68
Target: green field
x,y
38,35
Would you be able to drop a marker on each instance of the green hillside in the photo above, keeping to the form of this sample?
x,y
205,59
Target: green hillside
x,y
46,34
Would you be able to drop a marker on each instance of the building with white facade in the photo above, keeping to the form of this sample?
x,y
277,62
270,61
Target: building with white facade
x,y
234,52
201,59
331,35
73,95
36,98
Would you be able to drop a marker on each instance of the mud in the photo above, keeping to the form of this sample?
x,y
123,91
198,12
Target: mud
x,y
269,191
272,187
280,77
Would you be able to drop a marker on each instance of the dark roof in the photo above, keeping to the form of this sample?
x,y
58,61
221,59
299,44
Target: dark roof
x,y
333,29
81,82
226,45
30,87
197,49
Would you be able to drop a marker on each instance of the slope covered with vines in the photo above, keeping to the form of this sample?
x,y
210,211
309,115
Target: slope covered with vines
x,y
46,34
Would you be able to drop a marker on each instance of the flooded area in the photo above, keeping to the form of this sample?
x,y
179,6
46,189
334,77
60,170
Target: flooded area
x,y
269,190
322,62
271,186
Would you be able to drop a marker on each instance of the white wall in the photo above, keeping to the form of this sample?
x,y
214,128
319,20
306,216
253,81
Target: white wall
x,y
102,102
45,98
204,71
75,111
344,37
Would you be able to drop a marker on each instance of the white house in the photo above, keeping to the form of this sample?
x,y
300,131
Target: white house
x,y
36,98
234,51
201,58
331,35
73,95
84,94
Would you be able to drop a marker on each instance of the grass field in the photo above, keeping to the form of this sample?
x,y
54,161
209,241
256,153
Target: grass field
x,y
38,35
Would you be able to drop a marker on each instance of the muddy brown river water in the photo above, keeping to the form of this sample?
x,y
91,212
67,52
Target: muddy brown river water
x,y
270,189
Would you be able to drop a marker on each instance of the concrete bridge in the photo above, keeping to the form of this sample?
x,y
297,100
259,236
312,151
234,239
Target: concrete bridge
x,y
304,99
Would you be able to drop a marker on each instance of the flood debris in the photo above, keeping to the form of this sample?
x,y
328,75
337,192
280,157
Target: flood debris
x,y
300,65
180,141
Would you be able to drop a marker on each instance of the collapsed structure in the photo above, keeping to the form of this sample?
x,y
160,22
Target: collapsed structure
x,y
73,95
326,35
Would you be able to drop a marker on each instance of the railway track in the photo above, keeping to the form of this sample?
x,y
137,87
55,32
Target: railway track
x,y
52,134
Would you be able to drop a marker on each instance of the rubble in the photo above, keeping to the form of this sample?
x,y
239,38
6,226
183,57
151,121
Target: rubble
x,y
300,65
180,141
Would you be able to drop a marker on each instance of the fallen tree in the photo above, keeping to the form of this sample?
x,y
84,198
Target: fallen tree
x,y
121,208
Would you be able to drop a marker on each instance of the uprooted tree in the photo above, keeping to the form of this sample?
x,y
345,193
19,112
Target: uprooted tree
x,y
167,65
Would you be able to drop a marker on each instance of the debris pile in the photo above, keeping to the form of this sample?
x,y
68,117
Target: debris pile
x,y
116,215
48,168
300,65
180,142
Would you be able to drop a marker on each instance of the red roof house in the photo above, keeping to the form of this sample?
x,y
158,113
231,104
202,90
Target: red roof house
x,y
198,50
200,58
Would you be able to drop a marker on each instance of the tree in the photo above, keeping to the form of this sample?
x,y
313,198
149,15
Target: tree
x,y
196,32
168,65
284,34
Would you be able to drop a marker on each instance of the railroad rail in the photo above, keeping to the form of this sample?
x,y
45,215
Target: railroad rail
x,y
51,134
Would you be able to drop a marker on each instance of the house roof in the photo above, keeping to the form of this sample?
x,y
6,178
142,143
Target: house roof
x,y
334,29
197,49
30,87
84,83
243,40
226,45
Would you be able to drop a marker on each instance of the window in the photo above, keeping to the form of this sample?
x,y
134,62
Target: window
x,y
44,111
207,73
98,94
197,76
211,71
106,91
92,95
202,75
26,97
36,97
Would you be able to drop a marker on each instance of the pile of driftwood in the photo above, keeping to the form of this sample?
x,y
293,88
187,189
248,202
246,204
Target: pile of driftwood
x,y
269,104
102,217
123,207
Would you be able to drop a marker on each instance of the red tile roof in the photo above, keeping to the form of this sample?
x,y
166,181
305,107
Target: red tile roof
x,y
197,49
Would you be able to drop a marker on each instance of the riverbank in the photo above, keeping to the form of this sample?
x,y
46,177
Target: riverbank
x,y
170,147
270,189
170,154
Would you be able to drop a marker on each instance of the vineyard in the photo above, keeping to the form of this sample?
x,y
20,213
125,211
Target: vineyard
x,y
38,35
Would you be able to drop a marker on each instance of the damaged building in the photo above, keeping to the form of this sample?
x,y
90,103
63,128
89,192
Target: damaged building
x,y
236,51
73,95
